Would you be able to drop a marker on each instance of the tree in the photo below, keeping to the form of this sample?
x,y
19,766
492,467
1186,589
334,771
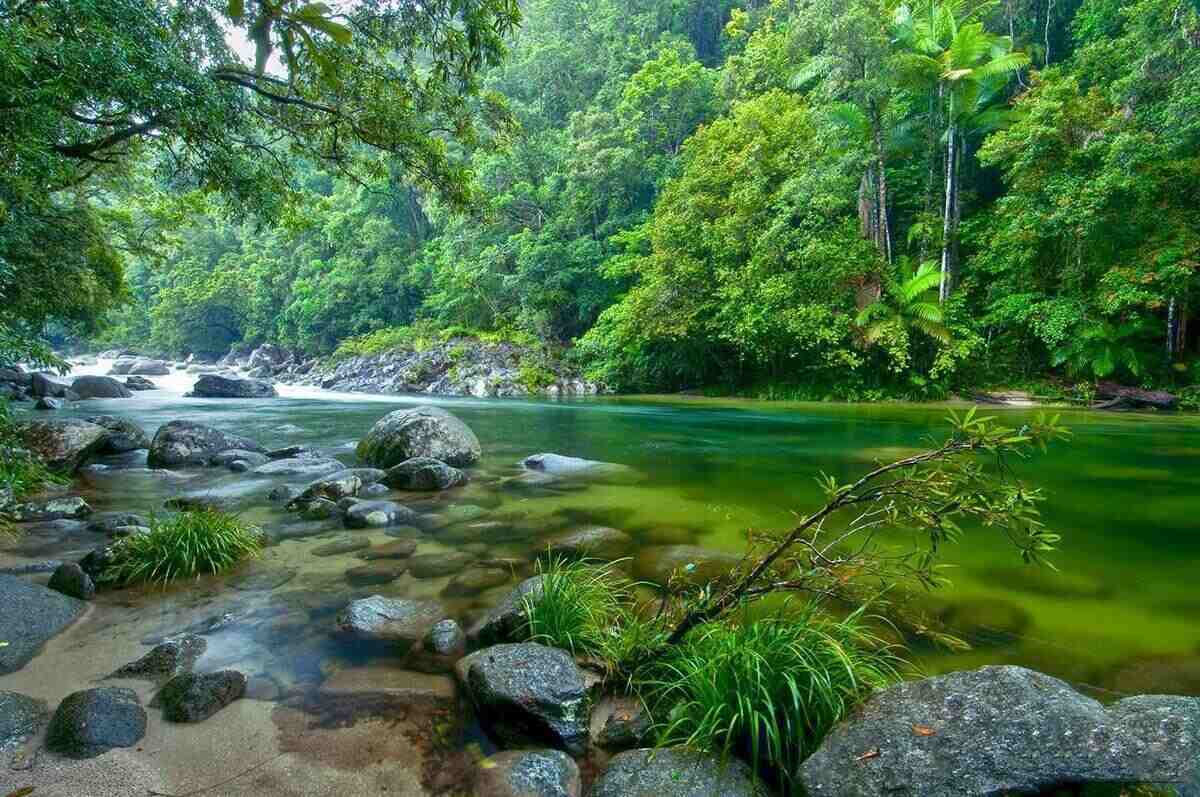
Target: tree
x,y
909,305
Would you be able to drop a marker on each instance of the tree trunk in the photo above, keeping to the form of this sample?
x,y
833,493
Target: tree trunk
x,y
949,218
883,227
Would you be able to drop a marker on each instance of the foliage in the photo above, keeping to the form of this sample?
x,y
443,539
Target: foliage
x,y
578,605
21,473
768,689
186,545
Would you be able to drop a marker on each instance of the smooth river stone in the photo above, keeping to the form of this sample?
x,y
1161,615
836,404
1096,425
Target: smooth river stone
x,y
400,549
384,571
341,546
433,565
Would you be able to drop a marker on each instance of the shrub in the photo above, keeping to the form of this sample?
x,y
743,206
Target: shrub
x,y
767,690
186,545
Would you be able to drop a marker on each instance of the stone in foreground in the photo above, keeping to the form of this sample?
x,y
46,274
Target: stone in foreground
x,y
124,435
94,721
528,693
506,622
186,443
677,772
30,614
424,473
419,432
194,698
165,660
63,445
389,619
528,773
20,718
69,579
1000,730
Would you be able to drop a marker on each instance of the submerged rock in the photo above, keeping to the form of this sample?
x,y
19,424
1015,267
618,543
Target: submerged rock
x,y
424,473
65,508
475,580
30,614
528,693
560,465
389,619
217,386
63,444
193,697
94,721
678,772
399,549
690,564
187,443
69,579
341,546
590,542
435,565
165,660
375,573
528,773
419,432
998,730
379,514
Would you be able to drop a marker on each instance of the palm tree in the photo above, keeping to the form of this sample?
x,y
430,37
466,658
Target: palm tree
x,y
947,52
909,303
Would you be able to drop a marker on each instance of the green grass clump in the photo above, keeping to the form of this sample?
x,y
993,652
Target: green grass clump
x,y
767,690
186,545
577,607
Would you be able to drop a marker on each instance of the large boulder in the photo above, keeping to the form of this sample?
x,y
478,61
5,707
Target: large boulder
x,y
528,773
94,721
147,367
42,386
139,383
506,621
30,614
217,386
88,387
424,473
187,443
1001,730
192,697
419,432
125,435
678,772
63,444
268,356
383,619
528,693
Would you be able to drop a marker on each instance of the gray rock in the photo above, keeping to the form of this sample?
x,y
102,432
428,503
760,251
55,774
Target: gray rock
x,y
560,465
373,490
263,579
88,387
43,386
31,615
124,435
318,509
1000,730
375,573
424,473
226,459
475,580
138,383
368,475
305,467
147,367
283,493
435,565
379,514
528,773
46,403
446,638
64,508
193,697
94,721
399,549
677,772
186,443
69,579
217,386
383,619
290,452
344,545
626,724
334,487
165,660
528,693
20,718
63,444
590,542
506,621
419,432
268,356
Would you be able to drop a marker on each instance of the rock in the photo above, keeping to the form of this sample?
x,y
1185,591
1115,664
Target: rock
x,y
107,522
124,435
475,580
383,619
435,565
368,475
455,515
419,432
16,376
89,387
217,386
268,356
20,718
192,697
677,772
186,443
165,660
94,721
998,730
400,549
283,494
333,488
290,452
446,638
506,621
424,473
688,563
307,467
341,546
590,542
69,579
226,459
42,386
1114,396
138,383
46,404
528,693
528,773
63,444
379,514
375,573
559,465
65,508
625,724
318,509
1176,672
147,367
31,615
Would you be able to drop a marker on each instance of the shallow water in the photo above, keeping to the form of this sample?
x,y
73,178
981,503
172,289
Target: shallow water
x,y
1121,616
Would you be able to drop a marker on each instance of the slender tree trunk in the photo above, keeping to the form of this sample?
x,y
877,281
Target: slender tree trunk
x,y
884,228
949,226
931,175
1174,330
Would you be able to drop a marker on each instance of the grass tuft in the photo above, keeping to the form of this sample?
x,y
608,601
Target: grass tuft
x,y
186,545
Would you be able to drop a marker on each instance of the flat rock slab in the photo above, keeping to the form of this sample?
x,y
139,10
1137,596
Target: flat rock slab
x,y
1000,730
30,614
341,546
306,467
94,721
677,772
375,573
400,549
389,619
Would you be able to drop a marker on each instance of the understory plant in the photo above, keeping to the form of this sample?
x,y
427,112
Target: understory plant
x,y
21,472
186,545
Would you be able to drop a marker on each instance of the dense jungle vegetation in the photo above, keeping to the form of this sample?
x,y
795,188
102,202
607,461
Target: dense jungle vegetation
x,y
851,198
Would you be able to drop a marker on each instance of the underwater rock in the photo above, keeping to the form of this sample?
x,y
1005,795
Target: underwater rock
x,y
435,565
